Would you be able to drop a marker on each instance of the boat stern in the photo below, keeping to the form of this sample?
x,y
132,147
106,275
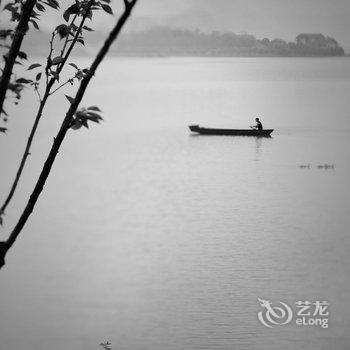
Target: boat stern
x,y
193,127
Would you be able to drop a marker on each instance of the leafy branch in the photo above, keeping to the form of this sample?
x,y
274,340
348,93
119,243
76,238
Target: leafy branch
x,y
65,126
23,13
53,69
14,50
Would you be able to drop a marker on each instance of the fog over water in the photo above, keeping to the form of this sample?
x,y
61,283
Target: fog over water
x,y
268,18
153,238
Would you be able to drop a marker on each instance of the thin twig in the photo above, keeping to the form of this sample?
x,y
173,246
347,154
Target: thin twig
x,y
61,86
48,61
38,93
66,41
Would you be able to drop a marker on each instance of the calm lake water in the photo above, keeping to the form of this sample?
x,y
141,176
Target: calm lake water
x,y
154,239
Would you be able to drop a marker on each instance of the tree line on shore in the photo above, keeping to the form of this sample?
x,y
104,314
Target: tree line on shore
x,y
165,41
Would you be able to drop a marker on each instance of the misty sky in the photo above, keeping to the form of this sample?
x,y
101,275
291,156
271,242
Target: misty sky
x,y
271,18
283,19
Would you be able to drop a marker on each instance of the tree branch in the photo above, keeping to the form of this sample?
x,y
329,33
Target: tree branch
x,y
61,86
20,32
67,38
66,124
49,85
48,61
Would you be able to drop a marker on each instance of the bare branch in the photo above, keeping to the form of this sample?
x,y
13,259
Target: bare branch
x,y
129,3
61,86
38,93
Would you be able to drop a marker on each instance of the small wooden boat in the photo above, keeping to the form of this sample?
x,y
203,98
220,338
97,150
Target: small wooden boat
x,y
231,132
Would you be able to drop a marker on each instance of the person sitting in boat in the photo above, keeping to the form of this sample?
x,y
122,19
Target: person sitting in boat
x,y
258,125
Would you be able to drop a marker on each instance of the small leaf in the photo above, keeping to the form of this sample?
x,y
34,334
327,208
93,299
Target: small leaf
x,y
93,114
40,7
89,15
69,98
38,76
34,24
53,3
63,30
94,108
9,7
94,119
74,9
3,130
107,9
34,14
76,125
66,16
22,55
23,81
84,123
34,65
57,60
88,29
74,65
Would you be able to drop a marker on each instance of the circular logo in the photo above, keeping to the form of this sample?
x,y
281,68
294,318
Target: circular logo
x,y
272,316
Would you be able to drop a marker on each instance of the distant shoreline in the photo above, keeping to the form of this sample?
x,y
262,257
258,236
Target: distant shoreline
x,y
125,55
164,41
174,42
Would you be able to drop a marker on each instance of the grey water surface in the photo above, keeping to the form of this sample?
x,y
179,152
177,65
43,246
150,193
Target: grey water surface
x,y
153,238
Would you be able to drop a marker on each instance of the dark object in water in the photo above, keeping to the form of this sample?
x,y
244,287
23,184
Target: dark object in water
x,y
231,132
326,166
